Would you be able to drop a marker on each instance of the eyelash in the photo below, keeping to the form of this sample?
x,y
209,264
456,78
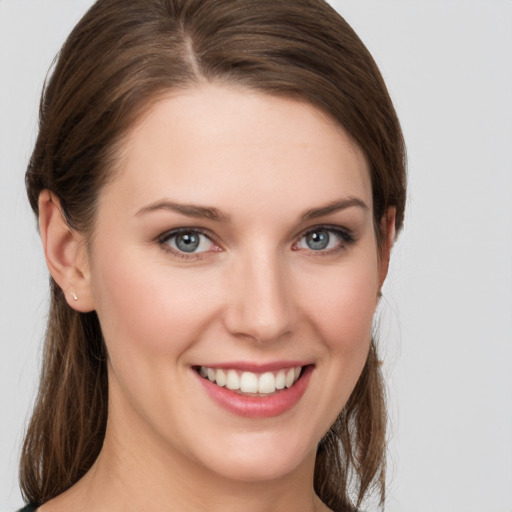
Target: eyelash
x,y
164,239
346,237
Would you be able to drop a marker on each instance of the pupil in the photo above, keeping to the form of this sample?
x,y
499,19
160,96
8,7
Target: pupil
x,y
318,240
187,242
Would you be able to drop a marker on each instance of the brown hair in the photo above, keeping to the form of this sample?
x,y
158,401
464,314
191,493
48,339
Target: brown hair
x,y
120,57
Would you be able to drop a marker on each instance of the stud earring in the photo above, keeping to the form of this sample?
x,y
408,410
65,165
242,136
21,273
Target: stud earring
x,y
74,295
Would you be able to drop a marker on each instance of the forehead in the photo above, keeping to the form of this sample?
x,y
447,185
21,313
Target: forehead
x,y
232,145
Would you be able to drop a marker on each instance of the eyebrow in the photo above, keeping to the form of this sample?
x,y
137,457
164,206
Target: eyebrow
x,y
190,210
208,212
333,207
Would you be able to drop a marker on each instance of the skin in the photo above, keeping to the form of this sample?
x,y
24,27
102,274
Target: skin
x,y
256,292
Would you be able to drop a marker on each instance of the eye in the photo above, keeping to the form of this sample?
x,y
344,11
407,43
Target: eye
x,y
187,241
325,239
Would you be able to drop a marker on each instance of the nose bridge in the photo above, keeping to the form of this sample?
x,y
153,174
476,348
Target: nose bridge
x,y
261,306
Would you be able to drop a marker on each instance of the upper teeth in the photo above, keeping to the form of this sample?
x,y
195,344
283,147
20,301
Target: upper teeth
x,y
249,382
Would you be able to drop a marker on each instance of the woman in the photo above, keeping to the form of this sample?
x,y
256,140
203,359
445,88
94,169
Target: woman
x,y
218,186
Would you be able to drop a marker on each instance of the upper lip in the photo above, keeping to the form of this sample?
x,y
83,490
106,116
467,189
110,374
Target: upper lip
x,y
250,366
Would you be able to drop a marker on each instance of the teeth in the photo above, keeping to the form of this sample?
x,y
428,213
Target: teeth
x,y
290,377
249,382
280,378
221,378
233,380
267,383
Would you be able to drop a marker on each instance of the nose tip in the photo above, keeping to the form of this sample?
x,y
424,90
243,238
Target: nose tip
x,y
261,305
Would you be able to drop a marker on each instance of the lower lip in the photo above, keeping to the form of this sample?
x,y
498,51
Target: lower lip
x,y
258,406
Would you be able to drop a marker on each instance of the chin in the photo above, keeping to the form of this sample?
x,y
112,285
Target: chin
x,y
262,458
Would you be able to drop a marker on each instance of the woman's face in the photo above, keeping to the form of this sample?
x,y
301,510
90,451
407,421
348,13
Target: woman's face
x,y
237,245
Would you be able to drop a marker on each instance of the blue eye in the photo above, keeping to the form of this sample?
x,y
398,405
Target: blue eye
x,y
188,241
324,239
318,240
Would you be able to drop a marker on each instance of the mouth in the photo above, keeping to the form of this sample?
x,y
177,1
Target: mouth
x,y
252,383
249,391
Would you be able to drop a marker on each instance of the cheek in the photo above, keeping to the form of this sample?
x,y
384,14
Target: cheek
x,y
149,317
343,318
342,308
142,308
340,312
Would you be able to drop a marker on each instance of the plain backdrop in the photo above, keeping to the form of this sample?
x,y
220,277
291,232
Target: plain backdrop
x,y
446,316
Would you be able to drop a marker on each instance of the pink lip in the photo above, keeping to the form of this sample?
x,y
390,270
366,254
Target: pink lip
x,y
254,406
244,366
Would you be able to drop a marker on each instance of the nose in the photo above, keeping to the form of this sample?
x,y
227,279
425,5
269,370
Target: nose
x,y
260,304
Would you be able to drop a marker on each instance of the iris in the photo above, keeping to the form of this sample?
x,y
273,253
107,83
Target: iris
x,y
318,240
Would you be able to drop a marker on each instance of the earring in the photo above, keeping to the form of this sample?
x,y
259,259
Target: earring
x,y
74,295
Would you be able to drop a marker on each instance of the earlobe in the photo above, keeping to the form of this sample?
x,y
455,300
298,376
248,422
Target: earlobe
x,y
388,233
65,254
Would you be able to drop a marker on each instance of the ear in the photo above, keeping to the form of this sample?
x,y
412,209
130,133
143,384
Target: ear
x,y
387,226
66,254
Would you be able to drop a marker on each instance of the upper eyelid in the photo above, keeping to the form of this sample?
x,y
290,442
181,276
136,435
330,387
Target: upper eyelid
x,y
328,227
176,231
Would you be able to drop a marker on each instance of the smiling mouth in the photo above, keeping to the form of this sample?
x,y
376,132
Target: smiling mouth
x,y
250,383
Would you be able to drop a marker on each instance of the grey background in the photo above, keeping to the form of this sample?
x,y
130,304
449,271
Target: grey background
x,y
446,316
